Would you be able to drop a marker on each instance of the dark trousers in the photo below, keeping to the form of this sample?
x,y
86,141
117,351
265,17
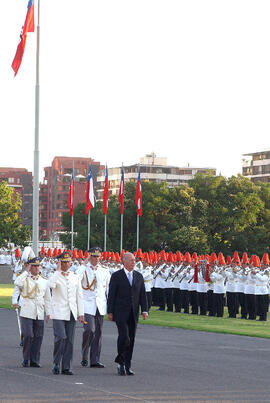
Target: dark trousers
x,y
149,299
91,339
219,304
125,341
185,300
210,303
63,341
262,306
169,299
161,298
193,297
243,306
32,332
177,299
231,303
251,306
202,300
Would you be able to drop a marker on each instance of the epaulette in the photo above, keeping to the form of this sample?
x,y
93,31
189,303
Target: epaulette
x,y
41,275
18,274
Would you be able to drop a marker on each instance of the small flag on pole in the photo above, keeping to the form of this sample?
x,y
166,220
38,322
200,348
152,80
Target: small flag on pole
x,y
90,197
139,194
71,194
29,26
106,192
121,192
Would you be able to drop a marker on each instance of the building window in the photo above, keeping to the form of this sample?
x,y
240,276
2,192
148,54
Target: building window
x,y
10,180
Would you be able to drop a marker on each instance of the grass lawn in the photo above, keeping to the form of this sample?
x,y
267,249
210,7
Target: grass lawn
x,y
180,320
6,291
208,324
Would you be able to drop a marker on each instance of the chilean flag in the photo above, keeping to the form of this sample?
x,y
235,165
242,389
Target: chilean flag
x,y
139,194
121,192
29,26
90,197
71,194
106,193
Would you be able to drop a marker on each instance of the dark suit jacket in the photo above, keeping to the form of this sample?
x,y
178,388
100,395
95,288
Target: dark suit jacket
x,y
123,298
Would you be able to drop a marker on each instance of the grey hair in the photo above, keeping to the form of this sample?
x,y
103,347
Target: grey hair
x,y
125,256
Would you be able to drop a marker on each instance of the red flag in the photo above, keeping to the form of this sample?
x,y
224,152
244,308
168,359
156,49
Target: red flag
x,y
121,192
90,197
139,194
106,193
29,26
71,195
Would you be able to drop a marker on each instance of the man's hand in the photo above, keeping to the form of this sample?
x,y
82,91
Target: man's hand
x,y
82,320
47,318
15,306
145,315
110,316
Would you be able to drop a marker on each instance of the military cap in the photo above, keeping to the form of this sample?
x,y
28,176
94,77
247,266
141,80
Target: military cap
x,y
95,251
64,257
34,262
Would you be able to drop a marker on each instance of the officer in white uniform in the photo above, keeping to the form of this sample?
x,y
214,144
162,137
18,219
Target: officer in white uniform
x,y
36,295
67,306
95,284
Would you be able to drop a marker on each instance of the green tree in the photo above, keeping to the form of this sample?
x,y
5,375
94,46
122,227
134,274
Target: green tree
x,y
11,229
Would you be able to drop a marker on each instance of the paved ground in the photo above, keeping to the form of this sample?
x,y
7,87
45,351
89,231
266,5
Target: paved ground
x,y
171,365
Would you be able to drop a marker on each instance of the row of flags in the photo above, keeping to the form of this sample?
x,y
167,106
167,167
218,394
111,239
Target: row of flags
x,y
90,197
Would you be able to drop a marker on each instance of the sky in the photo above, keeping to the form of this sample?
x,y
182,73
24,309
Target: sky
x,y
119,79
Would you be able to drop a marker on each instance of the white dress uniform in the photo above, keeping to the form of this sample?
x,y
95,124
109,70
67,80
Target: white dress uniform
x,y
67,305
35,297
95,285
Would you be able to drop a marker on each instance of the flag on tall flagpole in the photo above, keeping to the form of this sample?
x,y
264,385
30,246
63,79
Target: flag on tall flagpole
x,y
90,197
106,192
29,26
121,192
71,194
139,194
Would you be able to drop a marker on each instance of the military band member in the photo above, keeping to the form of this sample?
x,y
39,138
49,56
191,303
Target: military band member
x,y
36,295
95,285
67,306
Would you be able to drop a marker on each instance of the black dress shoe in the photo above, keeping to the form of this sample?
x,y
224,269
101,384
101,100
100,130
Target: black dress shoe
x,y
129,371
97,365
25,363
67,372
56,370
121,370
84,363
34,364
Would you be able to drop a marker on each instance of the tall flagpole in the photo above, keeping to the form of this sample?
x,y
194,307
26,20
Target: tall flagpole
x,y
72,232
138,224
72,221
121,228
35,231
88,232
105,232
121,236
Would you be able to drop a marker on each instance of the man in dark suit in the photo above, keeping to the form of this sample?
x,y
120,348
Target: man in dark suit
x,y
126,295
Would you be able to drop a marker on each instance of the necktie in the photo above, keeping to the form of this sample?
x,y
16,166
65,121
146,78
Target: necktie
x,y
130,278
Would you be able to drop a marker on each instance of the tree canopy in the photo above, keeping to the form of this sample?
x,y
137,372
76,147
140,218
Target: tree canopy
x,y
213,213
11,229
